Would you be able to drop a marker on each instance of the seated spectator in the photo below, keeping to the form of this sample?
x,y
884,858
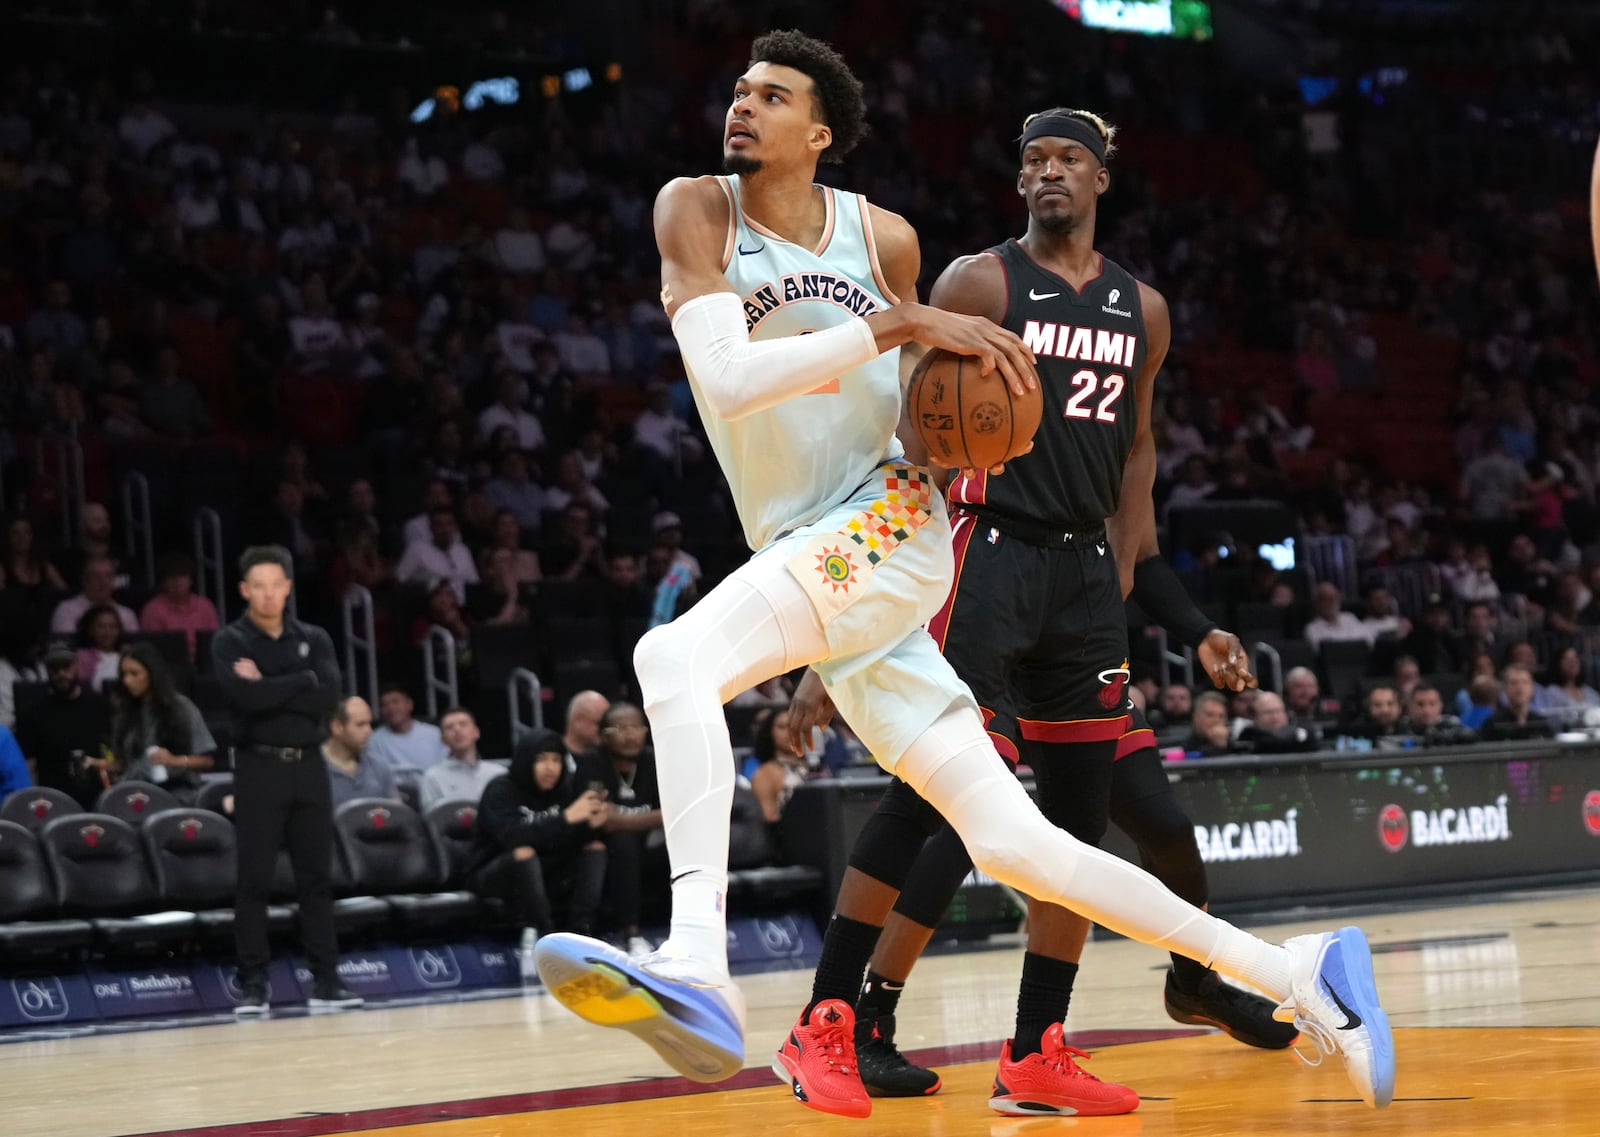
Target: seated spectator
x,y
1382,715
99,646
1407,674
1426,719
673,583
584,712
1175,706
1208,727
358,560
419,529
662,432
177,608
24,570
65,733
626,596
1302,696
14,773
512,491
667,529
444,557
1383,614
582,353
779,771
353,770
1433,643
575,549
157,734
507,410
517,248
1270,732
498,600
1471,575
541,844
1482,701
99,582
171,404
572,486
1332,622
1566,697
1516,718
507,536
625,767
404,742
462,775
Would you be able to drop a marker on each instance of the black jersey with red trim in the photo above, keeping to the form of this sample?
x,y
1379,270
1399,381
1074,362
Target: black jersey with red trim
x,y
1090,346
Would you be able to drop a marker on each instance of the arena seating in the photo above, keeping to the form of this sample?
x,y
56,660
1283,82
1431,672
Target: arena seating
x,y
36,806
392,853
135,802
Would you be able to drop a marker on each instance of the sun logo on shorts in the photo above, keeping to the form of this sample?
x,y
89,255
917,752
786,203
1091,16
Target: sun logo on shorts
x,y
837,568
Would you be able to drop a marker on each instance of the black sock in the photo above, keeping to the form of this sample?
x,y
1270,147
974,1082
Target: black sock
x,y
846,948
1189,972
879,997
1042,999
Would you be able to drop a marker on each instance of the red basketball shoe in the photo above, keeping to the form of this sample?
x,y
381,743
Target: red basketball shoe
x,y
1052,1083
818,1060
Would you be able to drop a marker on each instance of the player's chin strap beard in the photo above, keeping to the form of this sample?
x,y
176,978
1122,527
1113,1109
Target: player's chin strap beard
x,y
740,164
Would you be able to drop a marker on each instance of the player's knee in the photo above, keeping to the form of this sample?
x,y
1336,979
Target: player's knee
x,y
1002,849
661,661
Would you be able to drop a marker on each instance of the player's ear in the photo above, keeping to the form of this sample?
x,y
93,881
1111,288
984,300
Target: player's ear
x,y
821,136
1022,191
1102,181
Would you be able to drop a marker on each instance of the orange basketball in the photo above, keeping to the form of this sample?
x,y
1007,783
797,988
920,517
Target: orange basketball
x,y
967,419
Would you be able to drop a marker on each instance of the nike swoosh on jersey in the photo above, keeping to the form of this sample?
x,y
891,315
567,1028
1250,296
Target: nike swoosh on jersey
x,y
1032,295
744,252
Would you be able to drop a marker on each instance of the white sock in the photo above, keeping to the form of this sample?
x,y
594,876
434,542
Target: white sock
x,y
955,767
733,639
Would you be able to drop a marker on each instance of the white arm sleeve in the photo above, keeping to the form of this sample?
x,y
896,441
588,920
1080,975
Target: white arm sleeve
x,y
739,378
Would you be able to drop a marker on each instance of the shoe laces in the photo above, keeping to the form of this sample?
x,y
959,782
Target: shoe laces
x,y
1319,1034
1065,1061
837,1040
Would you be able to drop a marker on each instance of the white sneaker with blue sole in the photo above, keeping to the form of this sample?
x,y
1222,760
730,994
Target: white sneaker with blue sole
x,y
1334,1001
691,1015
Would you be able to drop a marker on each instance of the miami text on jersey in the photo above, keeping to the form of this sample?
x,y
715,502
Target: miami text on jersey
x,y
1091,345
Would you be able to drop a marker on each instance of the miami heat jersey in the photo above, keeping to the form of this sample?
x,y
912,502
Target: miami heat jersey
x,y
1090,346
789,465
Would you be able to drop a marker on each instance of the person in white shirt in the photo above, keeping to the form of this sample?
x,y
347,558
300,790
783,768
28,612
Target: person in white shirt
x,y
571,486
516,341
144,128
403,741
581,351
318,338
419,529
507,411
1332,622
99,582
1383,615
518,248
463,775
661,431
198,208
426,174
444,557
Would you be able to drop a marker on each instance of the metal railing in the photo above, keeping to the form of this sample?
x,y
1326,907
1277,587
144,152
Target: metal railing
x,y
1272,680
1333,558
138,531
360,647
433,683
67,454
1170,659
209,578
524,689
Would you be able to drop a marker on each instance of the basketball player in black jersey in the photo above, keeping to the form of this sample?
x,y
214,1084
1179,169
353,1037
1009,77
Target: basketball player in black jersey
x,y
1036,626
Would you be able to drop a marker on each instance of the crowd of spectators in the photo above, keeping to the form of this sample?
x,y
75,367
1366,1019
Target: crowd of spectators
x,y
435,355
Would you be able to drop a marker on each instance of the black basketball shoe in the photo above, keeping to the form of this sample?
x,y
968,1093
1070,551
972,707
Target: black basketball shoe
x,y
885,1072
1236,1013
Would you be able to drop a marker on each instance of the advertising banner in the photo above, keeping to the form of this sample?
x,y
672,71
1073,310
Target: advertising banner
x,y
144,991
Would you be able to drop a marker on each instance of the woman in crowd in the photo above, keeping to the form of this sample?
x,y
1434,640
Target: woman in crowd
x,y
157,734
541,842
23,569
780,771
1566,696
99,646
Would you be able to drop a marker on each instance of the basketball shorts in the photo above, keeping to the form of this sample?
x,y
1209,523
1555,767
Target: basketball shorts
x,y
876,569
1039,633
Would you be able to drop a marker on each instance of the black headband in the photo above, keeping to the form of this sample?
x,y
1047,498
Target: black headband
x,y
1065,126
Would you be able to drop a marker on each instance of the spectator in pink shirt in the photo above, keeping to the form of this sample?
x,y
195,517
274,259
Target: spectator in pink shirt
x,y
176,608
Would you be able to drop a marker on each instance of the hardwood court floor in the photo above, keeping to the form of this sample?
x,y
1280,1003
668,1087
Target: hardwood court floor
x,y
1497,1008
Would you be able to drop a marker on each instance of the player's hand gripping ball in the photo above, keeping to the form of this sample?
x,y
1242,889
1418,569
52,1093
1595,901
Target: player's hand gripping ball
x,y
968,420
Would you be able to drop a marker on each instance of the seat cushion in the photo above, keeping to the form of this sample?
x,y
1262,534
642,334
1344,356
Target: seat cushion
x,y
433,908
33,937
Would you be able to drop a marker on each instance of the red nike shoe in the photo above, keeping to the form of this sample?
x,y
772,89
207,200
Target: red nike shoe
x,y
818,1060
1052,1083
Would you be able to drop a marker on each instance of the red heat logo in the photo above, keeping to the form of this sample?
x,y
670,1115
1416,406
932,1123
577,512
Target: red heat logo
x,y
1393,830
1591,812
1113,694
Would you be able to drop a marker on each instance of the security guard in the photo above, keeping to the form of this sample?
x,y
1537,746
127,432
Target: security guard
x,y
283,682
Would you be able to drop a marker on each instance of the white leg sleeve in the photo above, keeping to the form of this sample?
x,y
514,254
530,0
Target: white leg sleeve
x,y
955,767
731,640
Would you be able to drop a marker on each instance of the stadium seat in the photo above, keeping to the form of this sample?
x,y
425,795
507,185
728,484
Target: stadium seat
x,y
28,902
455,823
34,807
1344,664
212,793
100,873
393,854
135,801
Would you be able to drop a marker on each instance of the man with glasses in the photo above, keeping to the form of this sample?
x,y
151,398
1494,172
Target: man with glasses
x,y
624,767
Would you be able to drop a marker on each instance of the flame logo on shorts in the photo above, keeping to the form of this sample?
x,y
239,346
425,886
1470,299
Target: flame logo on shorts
x,y
837,568
1112,695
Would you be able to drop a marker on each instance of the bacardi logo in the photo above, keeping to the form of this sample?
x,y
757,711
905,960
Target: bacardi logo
x,y
1392,828
1264,840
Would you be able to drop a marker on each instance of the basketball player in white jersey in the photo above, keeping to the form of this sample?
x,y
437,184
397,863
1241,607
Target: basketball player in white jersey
x,y
790,303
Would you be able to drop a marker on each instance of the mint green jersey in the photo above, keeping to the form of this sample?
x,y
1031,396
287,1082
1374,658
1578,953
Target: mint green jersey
x,y
791,464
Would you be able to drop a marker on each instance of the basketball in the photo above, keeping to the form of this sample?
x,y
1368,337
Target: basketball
x,y
966,419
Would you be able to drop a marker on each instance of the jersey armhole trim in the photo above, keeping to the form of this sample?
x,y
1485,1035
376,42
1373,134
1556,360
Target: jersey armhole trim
x,y
1005,271
828,221
733,222
872,250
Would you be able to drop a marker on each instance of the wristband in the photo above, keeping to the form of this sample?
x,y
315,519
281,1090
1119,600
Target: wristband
x,y
1166,601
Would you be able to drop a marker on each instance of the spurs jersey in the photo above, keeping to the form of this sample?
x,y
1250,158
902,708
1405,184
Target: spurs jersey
x,y
1090,347
789,465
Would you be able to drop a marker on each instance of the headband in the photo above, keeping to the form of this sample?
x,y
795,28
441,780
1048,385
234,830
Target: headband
x,y
1065,126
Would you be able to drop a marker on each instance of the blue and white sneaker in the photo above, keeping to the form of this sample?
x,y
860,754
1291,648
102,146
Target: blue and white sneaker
x,y
690,1014
1334,1001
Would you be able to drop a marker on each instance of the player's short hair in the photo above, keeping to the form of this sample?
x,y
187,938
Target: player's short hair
x,y
1107,132
836,91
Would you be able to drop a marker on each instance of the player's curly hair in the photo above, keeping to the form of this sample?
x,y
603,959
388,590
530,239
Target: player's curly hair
x,y
1108,133
837,96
